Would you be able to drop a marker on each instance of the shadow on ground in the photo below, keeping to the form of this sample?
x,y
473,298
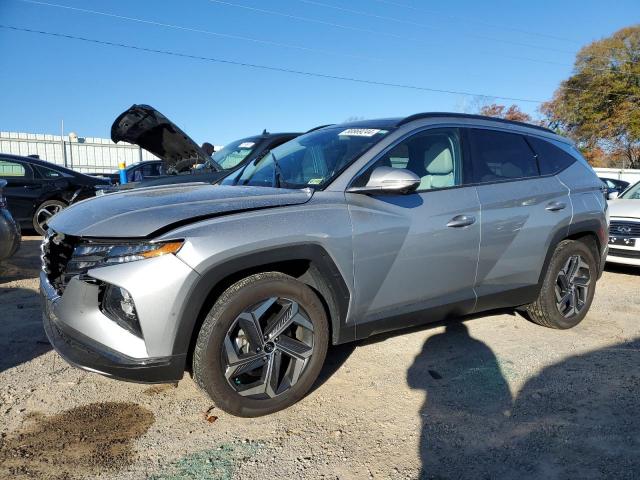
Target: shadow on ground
x,y
24,264
623,269
579,418
22,336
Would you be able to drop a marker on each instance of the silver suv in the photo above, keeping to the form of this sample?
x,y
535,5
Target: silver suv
x,y
341,233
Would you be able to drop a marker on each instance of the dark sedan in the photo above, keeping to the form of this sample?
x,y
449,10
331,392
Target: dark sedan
x,y
137,172
36,190
614,186
9,229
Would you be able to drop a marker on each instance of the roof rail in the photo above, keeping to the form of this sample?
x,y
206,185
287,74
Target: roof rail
x,y
319,127
419,116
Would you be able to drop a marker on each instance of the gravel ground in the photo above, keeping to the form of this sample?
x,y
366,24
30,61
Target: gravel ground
x,y
491,397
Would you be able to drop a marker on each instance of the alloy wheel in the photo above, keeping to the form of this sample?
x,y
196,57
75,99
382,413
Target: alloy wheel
x,y
267,348
572,286
44,214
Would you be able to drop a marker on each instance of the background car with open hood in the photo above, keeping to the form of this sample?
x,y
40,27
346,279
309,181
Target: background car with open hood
x,y
183,160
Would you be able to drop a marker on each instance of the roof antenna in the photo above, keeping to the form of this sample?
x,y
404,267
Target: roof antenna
x,y
264,132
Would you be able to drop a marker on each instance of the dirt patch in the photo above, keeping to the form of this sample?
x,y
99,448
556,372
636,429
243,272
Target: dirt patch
x,y
160,388
74,443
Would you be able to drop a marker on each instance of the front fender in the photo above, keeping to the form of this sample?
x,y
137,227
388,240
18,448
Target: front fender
x,y
327,279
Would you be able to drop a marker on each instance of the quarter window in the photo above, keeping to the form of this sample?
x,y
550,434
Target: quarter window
x,y
433,155
49,172
500,156
551,159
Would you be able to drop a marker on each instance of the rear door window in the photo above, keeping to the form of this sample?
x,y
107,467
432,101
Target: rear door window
x,y
551,159
14,170
499,156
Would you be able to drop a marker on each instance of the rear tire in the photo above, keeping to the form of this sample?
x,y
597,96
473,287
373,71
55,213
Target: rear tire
x,y
568,287
262,345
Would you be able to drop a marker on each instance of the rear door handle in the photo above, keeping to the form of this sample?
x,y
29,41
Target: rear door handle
x,y
555,206
461,221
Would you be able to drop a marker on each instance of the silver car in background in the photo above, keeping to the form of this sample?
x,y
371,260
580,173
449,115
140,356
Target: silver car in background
x,y
339,234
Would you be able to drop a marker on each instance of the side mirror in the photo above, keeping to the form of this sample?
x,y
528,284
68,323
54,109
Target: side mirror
x,y
389,180
613,195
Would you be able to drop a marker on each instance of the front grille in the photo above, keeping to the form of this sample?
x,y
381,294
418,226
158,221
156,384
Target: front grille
x,y
57,250
621,228
619,252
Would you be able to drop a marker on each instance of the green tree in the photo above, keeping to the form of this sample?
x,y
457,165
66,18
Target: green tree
x,y
599,105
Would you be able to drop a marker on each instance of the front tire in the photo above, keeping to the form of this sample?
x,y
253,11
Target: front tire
x,y
43,214
262,345
568,287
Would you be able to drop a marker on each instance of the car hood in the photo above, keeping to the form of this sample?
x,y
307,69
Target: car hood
x,y
143,212
623,207
143,125
201,177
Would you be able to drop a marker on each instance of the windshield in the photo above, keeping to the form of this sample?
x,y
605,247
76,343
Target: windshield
x,y
311,160
632,193
234,153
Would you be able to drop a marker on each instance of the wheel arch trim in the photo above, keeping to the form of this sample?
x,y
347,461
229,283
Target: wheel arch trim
x,y
583,227
324,277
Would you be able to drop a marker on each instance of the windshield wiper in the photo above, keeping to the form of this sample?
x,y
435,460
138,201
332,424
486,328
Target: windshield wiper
x,y
253,162
277,171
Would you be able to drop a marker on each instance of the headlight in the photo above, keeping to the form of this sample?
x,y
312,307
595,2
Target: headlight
x,y
94,255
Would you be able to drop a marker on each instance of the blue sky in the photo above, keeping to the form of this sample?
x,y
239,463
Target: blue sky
x,y
498,48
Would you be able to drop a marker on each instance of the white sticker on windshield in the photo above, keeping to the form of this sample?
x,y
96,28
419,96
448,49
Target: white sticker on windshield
x,y
361,132
247,144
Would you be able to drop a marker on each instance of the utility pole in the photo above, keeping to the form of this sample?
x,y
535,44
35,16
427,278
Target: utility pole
x,y
64,148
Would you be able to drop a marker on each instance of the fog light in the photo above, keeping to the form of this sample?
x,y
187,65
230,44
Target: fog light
x,y
118,305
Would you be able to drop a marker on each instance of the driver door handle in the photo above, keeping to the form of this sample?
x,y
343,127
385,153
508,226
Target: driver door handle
x,y
555,206
461,221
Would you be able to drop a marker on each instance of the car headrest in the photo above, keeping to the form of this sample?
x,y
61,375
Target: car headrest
x,y
438,159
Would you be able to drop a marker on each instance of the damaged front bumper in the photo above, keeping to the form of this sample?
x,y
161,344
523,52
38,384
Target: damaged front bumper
x,y
88,354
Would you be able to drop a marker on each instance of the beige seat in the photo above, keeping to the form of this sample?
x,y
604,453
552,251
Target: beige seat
x,y
438,164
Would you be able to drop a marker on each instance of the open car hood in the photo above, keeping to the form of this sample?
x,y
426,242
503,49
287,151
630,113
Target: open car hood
x,y
143,125
143,212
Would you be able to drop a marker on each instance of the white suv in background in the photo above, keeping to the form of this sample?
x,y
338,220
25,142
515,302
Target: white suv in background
x,y
624,231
